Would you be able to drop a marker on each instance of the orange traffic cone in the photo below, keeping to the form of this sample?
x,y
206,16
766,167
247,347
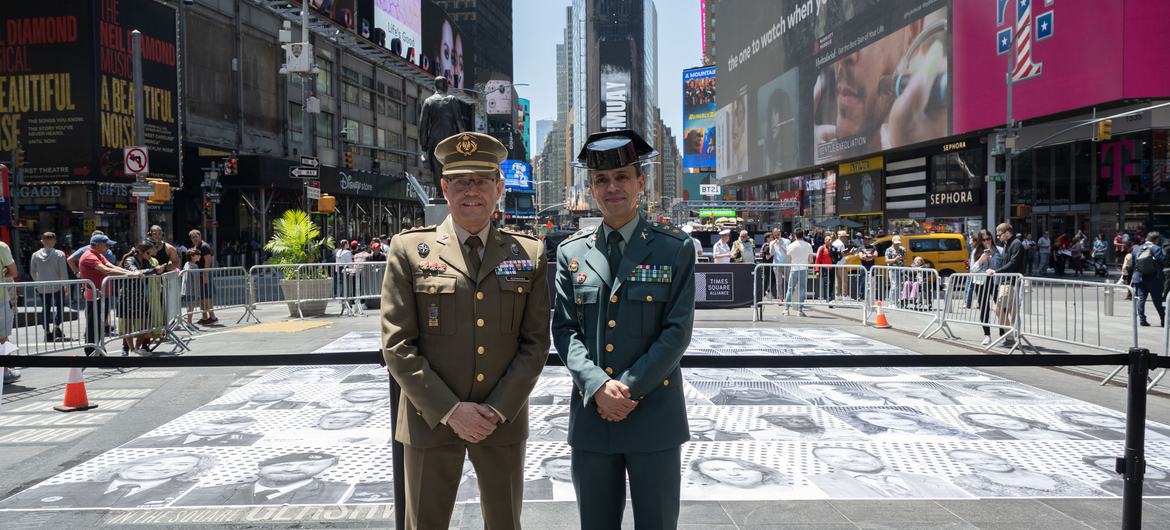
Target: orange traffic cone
x,y
881,323
75,398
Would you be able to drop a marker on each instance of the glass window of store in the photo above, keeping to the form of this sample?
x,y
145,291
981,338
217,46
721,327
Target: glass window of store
x,y
1082,171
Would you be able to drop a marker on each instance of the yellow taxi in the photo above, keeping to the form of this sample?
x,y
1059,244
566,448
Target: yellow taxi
x,y
946,253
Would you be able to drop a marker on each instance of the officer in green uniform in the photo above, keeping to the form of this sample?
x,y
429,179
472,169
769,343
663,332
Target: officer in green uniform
x,y
624,310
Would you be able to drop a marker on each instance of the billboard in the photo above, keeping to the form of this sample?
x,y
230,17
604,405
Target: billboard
x,y
615,67
691,183
497,94
343,12
860,187
699,117
67,79
806,83
442,46
523,123
398,19
517,175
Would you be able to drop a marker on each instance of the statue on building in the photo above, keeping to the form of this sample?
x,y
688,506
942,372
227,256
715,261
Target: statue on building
x,y
441,117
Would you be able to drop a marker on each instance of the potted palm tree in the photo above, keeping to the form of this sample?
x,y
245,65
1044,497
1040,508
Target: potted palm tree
x,y
296,240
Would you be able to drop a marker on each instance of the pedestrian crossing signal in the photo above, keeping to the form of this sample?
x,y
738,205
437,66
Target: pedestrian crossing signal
x,y
1104,130
327,203
161,192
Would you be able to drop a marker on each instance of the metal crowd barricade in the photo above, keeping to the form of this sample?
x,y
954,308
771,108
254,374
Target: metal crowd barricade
x,y
342,286
906,289
995,303
791,285
1165,348
265,284
1074,312
368,282
223,287
44,317
141,305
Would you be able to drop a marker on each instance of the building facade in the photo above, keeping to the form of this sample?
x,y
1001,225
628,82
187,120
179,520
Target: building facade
x,y
802,119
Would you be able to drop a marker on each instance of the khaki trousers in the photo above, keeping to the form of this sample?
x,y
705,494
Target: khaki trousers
x,y
433,476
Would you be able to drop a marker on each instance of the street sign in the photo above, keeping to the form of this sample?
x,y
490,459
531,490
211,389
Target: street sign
x,y
310,161
708,189
313,190
212,196
135,160
996,177
304,172
716,212
141,189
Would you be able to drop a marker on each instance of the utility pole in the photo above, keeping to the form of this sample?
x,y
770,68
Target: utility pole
x,y
1009,143
139,123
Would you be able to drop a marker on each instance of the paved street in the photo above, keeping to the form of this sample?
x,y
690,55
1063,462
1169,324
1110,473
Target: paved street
x,y
741,455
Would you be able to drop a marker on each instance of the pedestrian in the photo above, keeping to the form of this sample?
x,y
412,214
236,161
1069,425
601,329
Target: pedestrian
x,y
780,259
689,231
206,305
721,250
1126,278
866,254
1029,253
895,257
48,265
1044,249
837,252
826,276
7,307
624,313
1006,289
1118,248
766,281
1148,262
465,321
743,250
190,281
169,256
800,254
74,259
1077,254
94,266
133,303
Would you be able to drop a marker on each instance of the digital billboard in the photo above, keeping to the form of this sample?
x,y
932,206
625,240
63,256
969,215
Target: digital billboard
x,y
66,76
442,46
402,20
699,117
615,65
343,12
523,123
498,96
517,175
804,83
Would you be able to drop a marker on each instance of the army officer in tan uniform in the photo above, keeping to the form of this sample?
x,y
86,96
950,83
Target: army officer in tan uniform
x,y
465,328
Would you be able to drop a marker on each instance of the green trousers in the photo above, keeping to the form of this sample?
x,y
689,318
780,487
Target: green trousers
x,y
600,482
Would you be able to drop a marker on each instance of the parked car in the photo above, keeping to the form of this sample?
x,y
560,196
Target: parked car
x,y
947,253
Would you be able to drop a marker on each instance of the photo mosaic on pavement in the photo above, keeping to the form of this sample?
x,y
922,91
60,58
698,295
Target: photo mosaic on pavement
x,y
321,435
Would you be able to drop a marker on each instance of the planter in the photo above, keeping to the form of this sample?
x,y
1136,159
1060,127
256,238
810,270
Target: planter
x,y
317,292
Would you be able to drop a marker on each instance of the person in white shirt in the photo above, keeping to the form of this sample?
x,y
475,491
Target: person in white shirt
x,y
1044,246
780,257
698,246
840,248
721,249
799,253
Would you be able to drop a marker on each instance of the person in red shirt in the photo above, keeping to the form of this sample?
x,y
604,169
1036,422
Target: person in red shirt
x,y
827,275
94,266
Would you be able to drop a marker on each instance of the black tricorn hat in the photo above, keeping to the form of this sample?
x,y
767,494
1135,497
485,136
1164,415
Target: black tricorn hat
x,y
614,149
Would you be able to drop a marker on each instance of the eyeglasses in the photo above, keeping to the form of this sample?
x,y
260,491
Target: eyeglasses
x,y
464,184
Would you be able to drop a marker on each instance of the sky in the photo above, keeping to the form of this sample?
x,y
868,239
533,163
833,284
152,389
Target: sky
x,y
539,25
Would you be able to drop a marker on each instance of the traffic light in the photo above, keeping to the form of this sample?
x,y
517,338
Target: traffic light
x,y
161,192
19,161
231,166
1104,130
327,203
349,160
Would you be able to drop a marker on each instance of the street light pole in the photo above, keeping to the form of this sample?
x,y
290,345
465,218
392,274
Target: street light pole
x,y
139,122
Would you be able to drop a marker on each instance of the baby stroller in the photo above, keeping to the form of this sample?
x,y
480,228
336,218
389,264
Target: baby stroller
x,y
1100,268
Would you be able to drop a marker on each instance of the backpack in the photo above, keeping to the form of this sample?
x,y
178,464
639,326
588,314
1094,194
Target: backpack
x,y
1145,263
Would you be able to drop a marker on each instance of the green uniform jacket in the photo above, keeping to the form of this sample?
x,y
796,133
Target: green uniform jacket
x,y
633,326
448,337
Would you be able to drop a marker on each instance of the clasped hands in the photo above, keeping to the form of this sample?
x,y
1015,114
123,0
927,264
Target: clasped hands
x,y
613,401
473,422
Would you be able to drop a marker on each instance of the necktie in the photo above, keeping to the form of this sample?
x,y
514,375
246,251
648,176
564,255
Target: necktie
x,y
614,250
473,260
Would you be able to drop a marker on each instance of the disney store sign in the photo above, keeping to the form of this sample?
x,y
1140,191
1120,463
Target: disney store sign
x,y
348,183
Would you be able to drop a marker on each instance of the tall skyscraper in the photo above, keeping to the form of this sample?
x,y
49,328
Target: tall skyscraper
x,y
707,12
543,127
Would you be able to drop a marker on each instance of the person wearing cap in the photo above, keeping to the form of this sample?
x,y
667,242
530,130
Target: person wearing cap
x,y
895,257
624,311
465,320
689,230
95,267
721,250
286,479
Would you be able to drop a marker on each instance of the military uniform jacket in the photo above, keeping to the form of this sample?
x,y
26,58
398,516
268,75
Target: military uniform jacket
x,y
450,337
633,325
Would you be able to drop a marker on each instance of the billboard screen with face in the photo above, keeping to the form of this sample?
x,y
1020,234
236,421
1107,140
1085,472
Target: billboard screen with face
x,y
442,45
804,83
699,117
